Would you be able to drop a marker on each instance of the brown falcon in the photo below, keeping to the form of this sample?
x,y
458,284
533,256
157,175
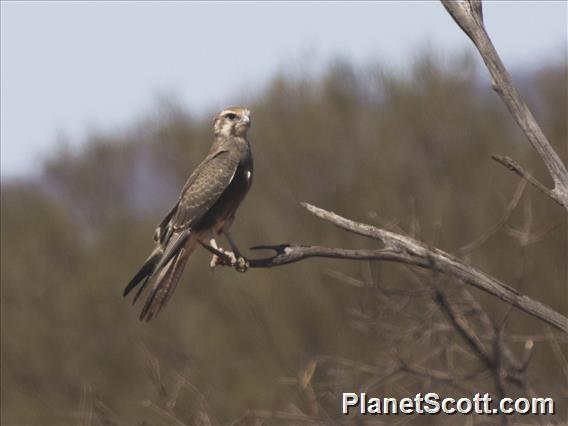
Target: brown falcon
x,y
206,207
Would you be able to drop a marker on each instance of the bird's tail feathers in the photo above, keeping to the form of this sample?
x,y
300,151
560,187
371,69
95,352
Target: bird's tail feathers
x,y
172,248
145,272
164,286
164,267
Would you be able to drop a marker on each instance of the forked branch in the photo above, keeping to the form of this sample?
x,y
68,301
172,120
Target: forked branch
x,y
407,250
468,15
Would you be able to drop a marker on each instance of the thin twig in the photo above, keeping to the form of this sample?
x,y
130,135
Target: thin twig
x,y
497,226
468,15
403,249
517,169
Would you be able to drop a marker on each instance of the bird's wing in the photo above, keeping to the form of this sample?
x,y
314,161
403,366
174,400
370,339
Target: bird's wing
x,y
208,183
202,189
166,263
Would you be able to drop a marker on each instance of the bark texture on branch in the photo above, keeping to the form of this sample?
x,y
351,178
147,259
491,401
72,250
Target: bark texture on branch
x,y
407,250
468,15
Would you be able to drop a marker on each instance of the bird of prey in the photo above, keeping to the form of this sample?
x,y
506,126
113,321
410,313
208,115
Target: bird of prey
x,y
206,208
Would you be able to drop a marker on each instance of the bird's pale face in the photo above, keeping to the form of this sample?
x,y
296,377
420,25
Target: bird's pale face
x,y
233,121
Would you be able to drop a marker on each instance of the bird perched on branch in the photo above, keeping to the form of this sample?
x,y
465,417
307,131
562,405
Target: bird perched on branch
x,y
206,208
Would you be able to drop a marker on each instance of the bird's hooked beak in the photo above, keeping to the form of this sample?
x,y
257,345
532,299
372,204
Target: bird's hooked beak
x,y
245,119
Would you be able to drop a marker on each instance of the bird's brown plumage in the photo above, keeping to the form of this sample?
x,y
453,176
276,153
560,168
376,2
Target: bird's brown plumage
x,y
206,206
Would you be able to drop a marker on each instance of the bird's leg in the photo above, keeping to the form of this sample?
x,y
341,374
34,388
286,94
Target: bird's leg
x,y
241,263
216,260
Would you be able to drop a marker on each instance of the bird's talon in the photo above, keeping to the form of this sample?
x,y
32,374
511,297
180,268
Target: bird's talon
x,y
228,259
242,265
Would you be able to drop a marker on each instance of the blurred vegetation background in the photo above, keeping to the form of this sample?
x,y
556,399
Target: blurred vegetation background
x,y
374,144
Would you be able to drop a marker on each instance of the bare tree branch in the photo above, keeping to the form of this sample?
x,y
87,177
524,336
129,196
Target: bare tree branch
x,y
497,226
464,329
468,15
403,249
408,250
517,169
491,359
558,352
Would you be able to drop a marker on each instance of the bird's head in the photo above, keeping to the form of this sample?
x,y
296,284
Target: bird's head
x,y
234,121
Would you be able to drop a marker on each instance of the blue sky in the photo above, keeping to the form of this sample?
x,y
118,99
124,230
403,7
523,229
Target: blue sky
x,y
68,68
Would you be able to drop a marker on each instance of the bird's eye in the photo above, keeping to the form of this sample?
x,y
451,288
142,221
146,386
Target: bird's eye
x,y
231,116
